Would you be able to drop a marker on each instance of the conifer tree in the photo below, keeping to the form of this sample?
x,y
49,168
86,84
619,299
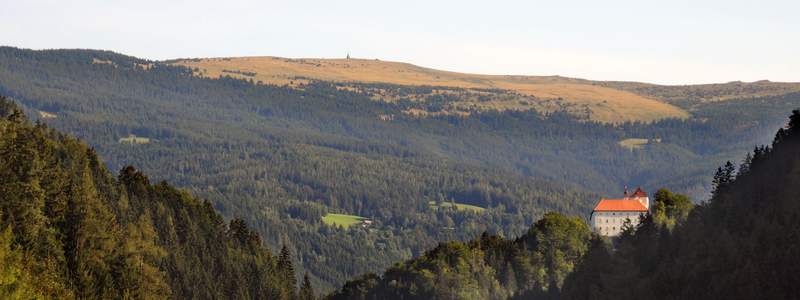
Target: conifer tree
x,y
90,239
16,282
286,270
744,168
20,169
722,177
779,136
139,256
306,290
730,172
718,181
510,280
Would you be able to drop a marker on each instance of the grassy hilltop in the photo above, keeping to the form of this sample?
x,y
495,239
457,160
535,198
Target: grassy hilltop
x,y
543,93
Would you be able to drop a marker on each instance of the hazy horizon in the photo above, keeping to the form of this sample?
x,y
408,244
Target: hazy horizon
x,y
676,43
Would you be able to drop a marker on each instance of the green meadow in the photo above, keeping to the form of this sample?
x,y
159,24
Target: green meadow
x,y
342,220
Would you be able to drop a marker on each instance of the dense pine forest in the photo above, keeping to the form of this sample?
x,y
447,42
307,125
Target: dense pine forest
x,y
69,229
740,244
281,159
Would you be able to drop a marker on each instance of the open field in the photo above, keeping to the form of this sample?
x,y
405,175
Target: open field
x,y
604,103
132,139
633,144
459,206
46,115
342,220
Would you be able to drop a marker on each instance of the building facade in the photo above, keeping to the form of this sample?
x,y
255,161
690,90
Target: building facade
x,y
609,215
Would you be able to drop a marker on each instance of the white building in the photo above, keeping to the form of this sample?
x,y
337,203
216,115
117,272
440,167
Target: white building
x,y
610,214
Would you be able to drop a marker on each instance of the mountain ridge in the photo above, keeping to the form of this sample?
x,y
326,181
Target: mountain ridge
x,y
543,94
604,101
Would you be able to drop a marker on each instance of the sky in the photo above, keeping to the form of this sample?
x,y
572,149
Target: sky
x,y
666,42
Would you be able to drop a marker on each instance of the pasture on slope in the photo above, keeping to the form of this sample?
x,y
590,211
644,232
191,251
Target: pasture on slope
x,y
633,143
342,220
458,206
605,104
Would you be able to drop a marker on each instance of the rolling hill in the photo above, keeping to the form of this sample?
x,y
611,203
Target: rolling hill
x,y
604,101
688,95
544,93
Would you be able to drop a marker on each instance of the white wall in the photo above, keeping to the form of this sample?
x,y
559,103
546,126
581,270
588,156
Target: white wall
x,y
610,223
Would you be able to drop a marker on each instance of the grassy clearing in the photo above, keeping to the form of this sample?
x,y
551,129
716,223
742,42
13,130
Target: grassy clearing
x,y
103,62
607,104
46,115
134,140
459,206
633,144
342,220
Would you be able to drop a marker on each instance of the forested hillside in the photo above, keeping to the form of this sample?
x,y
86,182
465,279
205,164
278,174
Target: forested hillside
x,y
71,230
532,266
488,267
741,244
283,158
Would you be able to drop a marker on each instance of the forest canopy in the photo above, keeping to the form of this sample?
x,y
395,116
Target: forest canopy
x,y
69,229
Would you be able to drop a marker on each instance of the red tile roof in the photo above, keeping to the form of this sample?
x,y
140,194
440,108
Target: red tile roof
x,y
619,205
639,193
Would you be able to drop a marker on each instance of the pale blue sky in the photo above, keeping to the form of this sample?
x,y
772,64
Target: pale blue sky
x,y
671,42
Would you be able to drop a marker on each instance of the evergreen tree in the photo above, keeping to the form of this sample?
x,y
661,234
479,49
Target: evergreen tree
x,y
16,282
286,269
90,239
718,181
20,170
729,172
137,263
722,177
306,290
744,168
510,278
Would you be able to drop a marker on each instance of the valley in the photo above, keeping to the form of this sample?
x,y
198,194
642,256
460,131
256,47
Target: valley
x,y
399,150
283,157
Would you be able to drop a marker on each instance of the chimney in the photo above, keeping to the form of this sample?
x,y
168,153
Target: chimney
x,y
626,192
